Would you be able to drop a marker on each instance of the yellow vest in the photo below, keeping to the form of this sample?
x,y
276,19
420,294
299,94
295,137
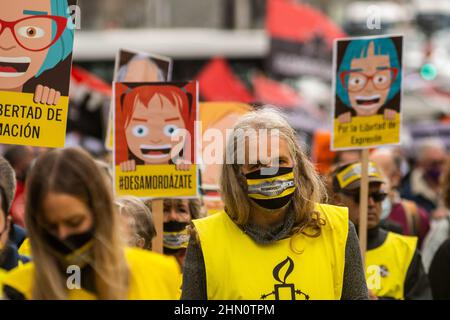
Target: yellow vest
x,y
2,276
239,268
387,265
25,248
152,277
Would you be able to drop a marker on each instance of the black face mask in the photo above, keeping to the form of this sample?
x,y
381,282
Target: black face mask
x,y
71,244
272,191
176,236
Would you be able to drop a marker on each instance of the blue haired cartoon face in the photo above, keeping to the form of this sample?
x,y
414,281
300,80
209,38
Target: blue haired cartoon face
x,y
368,76
33,38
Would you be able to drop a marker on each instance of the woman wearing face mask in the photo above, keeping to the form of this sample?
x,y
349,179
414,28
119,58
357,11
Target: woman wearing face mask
x,y
178,214
274,240
77,249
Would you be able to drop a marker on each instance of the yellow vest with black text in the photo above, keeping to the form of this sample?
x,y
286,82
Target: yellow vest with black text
x,y
387,265
152,277
239,268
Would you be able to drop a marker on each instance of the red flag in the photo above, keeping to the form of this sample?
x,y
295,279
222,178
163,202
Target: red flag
x,y
218,83
299,22
94,83
273,92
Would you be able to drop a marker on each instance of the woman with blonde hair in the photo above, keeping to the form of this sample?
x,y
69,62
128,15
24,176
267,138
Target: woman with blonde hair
x,y
274,240
77,249
137,222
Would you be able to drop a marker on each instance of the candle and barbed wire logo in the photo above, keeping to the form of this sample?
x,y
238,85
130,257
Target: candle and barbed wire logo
x,y
283,287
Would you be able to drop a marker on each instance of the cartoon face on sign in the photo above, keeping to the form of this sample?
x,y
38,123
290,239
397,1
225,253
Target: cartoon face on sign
x,y
368,77
150,116
140,69
34,38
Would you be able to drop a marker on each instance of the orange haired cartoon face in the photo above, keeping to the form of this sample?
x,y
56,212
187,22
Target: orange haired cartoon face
x,y
151,127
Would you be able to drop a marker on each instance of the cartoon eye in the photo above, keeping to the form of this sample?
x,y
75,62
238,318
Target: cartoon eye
x,y
380,79
170,129
140,131
31,32
356,81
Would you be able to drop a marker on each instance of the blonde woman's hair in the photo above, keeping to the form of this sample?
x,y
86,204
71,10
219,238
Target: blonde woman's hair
x,y
74,172
143,225
310,189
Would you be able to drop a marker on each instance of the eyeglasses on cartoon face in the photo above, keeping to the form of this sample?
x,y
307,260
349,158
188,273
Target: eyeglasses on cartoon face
x,y
35,33
355,81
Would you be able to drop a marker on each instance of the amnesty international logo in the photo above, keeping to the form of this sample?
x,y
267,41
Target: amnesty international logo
x,y
282,289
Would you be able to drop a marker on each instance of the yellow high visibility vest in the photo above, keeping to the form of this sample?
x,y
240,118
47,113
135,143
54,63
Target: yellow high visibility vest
x,y
25,248
296,268
3,274
387,265
151,277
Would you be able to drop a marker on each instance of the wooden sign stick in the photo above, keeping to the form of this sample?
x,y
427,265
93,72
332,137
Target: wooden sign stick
x,y
158,216
364,197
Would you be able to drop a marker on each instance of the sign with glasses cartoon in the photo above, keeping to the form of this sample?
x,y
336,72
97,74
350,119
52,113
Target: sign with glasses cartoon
x,y
36,41
367,92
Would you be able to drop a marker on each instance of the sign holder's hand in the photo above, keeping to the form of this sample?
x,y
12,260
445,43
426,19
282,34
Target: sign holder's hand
x,y
389,114
183,165
345,117
128,166
46,95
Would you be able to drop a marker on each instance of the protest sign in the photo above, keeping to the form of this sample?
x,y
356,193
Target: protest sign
x,y
367,92
155,139
135,66
35,71
216,119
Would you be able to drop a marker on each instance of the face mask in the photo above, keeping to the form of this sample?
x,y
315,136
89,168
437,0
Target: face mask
x,y
272,191
175,236
73,248
386,207
433,174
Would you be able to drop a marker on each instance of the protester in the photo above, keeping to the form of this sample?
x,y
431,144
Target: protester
x,y
440,227
393,264
412,219
422,186
240,253
137,222
439,272
77,249
9,256
20,158
178,214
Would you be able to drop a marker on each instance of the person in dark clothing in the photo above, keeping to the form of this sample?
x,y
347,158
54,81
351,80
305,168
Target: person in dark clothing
x,y
268,227
9,256
422,185
394,267
439,273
